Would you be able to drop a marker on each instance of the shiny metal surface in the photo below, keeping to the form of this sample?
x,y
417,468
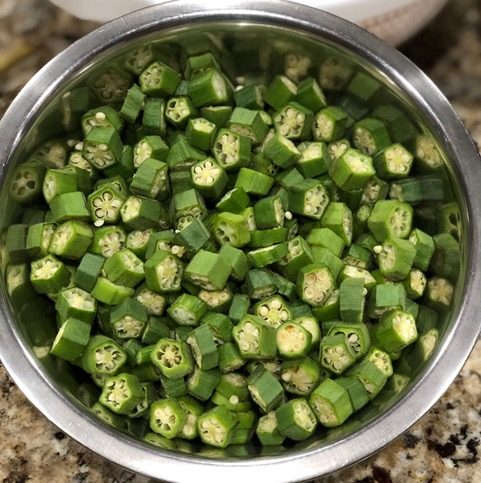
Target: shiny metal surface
x,y
33,115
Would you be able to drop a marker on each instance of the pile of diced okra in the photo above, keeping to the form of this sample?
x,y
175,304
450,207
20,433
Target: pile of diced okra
x,y
235,263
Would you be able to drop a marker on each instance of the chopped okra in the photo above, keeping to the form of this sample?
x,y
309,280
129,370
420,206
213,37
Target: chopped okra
x,y
228,260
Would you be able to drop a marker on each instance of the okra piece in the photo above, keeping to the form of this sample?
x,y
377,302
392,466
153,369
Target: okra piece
x,y
329,124
102,147
128,319
217,300
280,91
315,159
357,393
167,417
262,257
259,284
209,88
250,96
207,270
248,123
237,259
172,388
253,182
150,147
338,218
239,307
330,403
163,272
336,353
265,390
428,156
390,218
107,416
308,198
310,94
48,275
19,287
364,87
415,283
103,116
326,238
323,255
209,178
133,103
178,110
407,189
300,376
104,356
68,206
273,310
370,376
202,383
386,297
352,296
293,121
172,357
193,409
396,330
269,213
26,182
107,241
104,205
71,239
293,340
158,79
220,325
296,420
187,310
124,268
375,189
393,162
395,258
446,258
71,339
371,136
439,294
150,180
352,170
230,358
59,181
315,283
255,338
285,287
109,293
77,303
424,245
299,254
204,348
281,151
231,150
266,238
216,427
267,430
200,133
234,201
38,239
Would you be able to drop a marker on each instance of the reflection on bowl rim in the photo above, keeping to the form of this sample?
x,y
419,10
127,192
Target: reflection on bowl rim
x,y
452,350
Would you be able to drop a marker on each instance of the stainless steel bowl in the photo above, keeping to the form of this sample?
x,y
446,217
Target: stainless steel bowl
x,y
258,33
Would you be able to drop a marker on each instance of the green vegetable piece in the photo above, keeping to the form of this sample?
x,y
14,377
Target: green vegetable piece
x,y
102,147
351,300
336,353
396,330
439,294
203,346
329,124
200,133
248,123
26,182
280,91
71,339
308,198
158,79
202,383
259,284
133,104
124,268
209,178
265,390
207,270
38,240
216,427
253,182
293,340
48,275
393,162
330,403
104,356
234,201
109,293
187,310
385,297
352,170
209,88
107,241
128,319
395,258
88,271
173,358
296,420
390,217
255,338
371,136
267,430
150,179
150,147
357,393
68,206
75,303
163,272
315,283
178,110
167,417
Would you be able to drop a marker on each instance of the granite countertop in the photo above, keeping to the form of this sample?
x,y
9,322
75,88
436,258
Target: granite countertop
x,y
442,447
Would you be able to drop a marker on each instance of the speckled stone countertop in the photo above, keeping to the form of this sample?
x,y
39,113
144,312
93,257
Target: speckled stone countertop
x,y
442,447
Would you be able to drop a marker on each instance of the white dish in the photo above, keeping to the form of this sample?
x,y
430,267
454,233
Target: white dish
x,y
392,20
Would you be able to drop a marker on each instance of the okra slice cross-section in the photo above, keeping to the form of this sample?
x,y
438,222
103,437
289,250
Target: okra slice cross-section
x,y
167,417
315,283
163,272
172,357
255,338
293,340
296,420
273,310
216,426
103,356
121,393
